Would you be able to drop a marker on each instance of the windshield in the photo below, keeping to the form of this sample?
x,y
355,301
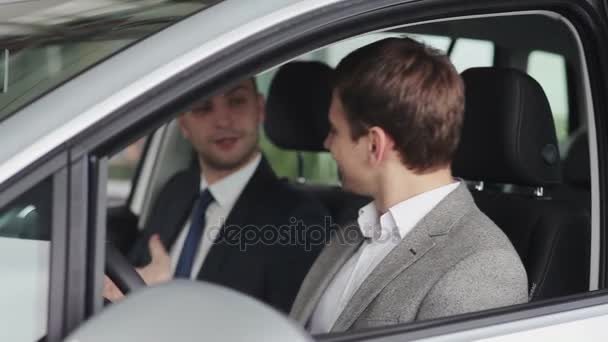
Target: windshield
x,y
45,43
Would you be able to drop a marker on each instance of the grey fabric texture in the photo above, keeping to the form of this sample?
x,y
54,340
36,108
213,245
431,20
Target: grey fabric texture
x,y
454,261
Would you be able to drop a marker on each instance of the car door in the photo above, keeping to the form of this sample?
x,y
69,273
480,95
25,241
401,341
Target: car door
x,y
280,33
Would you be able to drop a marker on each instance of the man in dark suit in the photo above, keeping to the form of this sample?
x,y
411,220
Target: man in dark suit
x,y
229,220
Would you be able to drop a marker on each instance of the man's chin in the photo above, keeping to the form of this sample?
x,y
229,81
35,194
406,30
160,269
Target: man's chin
x,y
347,186
350,187
228,162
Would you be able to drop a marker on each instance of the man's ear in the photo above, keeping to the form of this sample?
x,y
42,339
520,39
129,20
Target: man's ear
x,y
261,108
380,144
183,128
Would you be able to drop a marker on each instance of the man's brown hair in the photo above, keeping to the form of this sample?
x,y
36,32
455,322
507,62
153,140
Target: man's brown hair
x,y
411,91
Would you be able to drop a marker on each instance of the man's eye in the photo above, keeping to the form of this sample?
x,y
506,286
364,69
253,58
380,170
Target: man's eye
x,y
202,109
237,101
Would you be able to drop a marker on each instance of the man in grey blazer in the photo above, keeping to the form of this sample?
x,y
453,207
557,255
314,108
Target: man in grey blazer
x,y
421,249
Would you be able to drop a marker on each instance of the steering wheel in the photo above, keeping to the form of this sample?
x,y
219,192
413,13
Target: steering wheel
x,y
121,272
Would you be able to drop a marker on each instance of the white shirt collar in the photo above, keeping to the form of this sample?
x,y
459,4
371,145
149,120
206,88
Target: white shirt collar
x,y
401,218
228,189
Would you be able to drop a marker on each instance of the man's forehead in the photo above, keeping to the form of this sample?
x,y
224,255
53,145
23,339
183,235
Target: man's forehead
x,y
246,84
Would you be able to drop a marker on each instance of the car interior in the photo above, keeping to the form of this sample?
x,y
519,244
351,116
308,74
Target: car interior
x,y
509,152
524,149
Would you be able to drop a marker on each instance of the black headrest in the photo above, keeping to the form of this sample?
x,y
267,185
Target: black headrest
x,y
576,164
298,105
508,134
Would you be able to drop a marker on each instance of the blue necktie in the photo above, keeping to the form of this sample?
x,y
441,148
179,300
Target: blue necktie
x,y
193,239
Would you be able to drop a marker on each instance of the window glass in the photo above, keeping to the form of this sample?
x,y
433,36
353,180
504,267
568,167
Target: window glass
x,y
121,172
49,43
469,53
25,226
549,70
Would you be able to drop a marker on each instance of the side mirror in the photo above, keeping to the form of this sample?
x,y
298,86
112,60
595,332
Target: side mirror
x,y
4,58
188,311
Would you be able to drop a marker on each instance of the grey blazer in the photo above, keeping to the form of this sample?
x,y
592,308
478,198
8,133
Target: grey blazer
x,y
455,260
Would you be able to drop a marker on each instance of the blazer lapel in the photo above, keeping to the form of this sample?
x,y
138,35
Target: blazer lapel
x,y
343,244
412,248
170,212
246,211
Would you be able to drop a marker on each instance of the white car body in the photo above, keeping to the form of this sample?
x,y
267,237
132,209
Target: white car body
x,y
73,108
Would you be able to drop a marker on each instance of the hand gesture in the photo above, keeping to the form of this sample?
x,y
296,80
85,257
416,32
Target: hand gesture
x,y
156,272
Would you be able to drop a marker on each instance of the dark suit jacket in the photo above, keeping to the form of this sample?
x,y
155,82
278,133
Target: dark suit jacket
x,y
258,251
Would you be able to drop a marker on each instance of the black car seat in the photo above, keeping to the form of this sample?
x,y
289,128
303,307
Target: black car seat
x,y
576,163
508,151
296,119
576,170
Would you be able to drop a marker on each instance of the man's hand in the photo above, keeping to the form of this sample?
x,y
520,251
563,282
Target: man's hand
x,y
111,291
159,269
156,272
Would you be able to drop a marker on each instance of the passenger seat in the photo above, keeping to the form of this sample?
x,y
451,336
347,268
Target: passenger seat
x,y
576,170
508,151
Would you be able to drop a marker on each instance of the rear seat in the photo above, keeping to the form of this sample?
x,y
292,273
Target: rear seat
x,y
296,119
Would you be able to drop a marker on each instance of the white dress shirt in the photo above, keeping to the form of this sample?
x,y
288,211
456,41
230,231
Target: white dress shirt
x,y
382,233
225,193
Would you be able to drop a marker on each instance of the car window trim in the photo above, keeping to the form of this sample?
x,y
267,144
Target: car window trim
x,y
59,247
29,177
77,243
97,232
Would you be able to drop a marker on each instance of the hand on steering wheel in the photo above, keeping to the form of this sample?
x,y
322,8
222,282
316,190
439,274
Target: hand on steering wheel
x,y
123,278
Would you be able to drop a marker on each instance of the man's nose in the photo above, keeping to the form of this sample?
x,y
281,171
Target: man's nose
x,y
223,117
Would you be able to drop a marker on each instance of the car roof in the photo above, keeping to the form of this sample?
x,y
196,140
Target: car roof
x,y
69,109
